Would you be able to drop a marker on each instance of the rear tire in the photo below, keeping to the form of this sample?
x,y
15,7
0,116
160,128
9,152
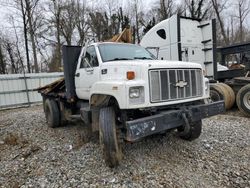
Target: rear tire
x,y
109,139
230,93
194,132
218,92
243,100
52,113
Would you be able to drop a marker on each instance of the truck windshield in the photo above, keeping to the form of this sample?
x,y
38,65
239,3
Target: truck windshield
x,y
115,52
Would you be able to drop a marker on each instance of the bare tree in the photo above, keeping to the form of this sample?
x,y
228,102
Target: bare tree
x,y
218,8
136,16
19,56
81,21
30,9
2,60
136,11
97,24
68,22
243,11
9,48
166,9
198,9
25,31
56,10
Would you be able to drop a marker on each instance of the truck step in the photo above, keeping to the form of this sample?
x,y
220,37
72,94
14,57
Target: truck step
x,y
207,62
206,49
206,41
203,25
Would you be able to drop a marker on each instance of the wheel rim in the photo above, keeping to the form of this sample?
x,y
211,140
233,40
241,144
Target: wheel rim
x,y
246,100
215,96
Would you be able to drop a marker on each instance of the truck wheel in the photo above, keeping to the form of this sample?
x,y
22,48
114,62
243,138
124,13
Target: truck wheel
x,y
243,100
194,132
44,99
231,94
218,92
109,139
52,113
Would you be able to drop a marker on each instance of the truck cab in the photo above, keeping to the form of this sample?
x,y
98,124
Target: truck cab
x,y
99,72
184,39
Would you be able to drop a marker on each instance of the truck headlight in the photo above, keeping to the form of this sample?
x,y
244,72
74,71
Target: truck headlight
x,y
136,95
134,92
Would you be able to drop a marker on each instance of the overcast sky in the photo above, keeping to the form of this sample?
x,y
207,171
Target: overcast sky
x,y
146,5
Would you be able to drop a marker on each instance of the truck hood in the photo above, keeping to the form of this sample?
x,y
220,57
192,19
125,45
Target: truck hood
x,y
118,69
153,64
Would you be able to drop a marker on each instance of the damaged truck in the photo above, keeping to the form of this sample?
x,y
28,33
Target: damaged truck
x,y
123,92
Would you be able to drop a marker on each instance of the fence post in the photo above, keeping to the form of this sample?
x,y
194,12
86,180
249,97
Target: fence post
x,y
26,88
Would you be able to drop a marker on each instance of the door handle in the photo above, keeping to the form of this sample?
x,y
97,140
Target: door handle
x,y
90,71
77,74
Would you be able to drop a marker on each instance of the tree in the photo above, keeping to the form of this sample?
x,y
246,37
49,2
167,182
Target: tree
x,y
150,24
198,9
67,21
243,11
30,9
9,48
166,9
2,60
218,8
123,19
81,21
136,27
25,31
56,10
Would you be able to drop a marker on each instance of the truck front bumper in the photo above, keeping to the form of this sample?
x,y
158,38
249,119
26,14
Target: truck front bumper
x,y
170,119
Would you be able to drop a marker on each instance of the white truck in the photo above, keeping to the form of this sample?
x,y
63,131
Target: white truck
x,y
192,40
123,92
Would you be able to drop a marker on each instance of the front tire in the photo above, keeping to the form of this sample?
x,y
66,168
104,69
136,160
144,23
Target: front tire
x,y
194,131
109,139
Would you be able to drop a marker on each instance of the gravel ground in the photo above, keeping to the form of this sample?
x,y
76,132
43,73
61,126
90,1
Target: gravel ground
x,y
33,155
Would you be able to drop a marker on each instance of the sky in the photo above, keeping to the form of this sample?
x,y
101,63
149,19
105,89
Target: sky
x,y
6,11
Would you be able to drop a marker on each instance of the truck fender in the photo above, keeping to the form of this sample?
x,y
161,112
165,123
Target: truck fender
x,y
102,91
96,102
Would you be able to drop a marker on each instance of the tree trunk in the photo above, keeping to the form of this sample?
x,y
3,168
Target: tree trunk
x,y
58,48
32,34
12,61
225,38
137,23
2,62
241,22
25,35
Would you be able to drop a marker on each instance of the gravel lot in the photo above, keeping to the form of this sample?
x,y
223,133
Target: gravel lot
x,y
33,155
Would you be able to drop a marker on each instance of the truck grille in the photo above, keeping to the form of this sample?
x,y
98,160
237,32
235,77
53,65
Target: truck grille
x,y
174,84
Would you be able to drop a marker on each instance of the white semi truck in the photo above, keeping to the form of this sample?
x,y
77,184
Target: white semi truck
x,y
123,92
191,40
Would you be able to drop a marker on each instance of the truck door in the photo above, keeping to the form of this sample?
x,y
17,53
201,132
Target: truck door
x,y
87,73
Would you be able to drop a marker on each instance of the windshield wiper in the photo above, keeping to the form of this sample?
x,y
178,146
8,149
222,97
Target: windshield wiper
x,y
142,58
117,59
